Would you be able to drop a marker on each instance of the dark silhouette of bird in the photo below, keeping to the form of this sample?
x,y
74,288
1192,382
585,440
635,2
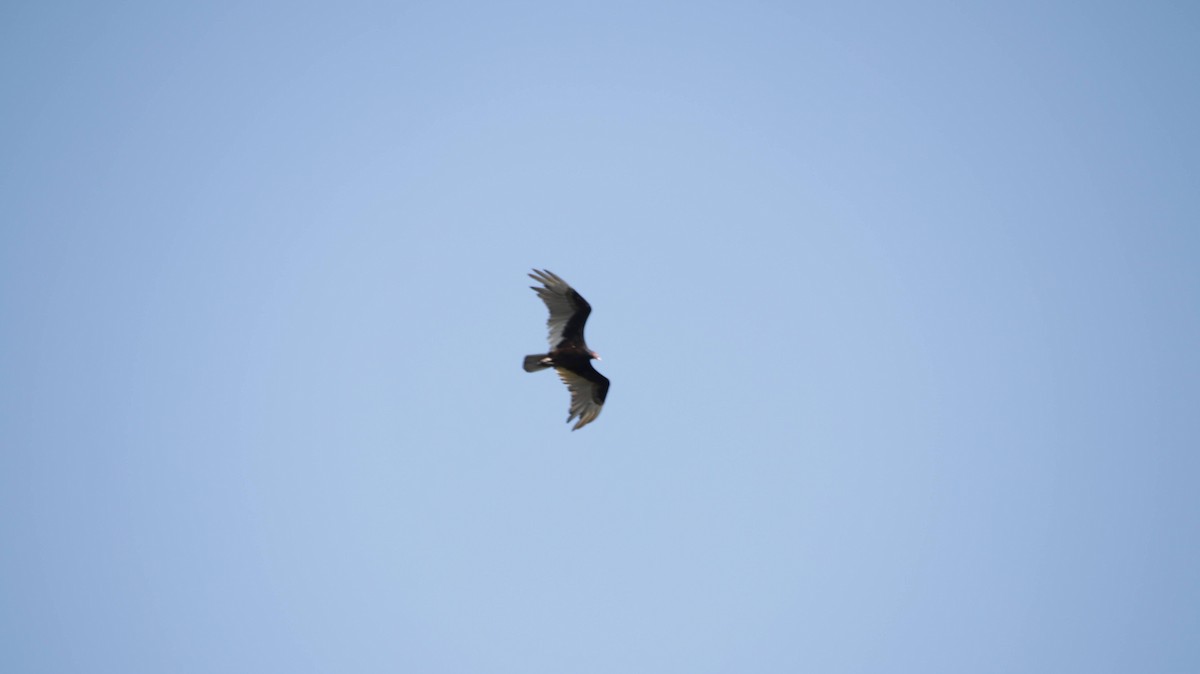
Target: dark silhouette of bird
x,y
569,355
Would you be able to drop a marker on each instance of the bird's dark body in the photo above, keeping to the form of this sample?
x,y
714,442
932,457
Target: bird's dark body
x,y
580,362
569,354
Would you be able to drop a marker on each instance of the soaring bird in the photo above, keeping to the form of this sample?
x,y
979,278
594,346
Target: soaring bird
x,y
569,354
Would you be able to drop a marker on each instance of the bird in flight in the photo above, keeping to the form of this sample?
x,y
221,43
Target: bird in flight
x,y
569,354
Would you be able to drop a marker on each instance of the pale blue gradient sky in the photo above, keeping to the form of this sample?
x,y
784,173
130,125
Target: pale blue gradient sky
x,y
901,306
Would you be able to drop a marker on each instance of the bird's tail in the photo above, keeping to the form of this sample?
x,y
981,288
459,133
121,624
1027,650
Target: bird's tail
x,y
538,362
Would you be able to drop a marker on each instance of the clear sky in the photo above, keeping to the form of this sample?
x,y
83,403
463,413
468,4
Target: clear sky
x,y
900,303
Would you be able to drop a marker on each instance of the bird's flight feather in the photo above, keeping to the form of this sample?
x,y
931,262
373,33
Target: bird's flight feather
x,y
568,310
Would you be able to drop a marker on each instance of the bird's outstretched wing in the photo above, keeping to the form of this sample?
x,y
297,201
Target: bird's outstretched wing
x,y
568,310
588,389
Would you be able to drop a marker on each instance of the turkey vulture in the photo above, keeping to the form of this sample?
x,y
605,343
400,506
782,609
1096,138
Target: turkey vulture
x,y
569,354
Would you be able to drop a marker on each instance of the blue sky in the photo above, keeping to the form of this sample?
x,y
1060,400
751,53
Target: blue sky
x,y
900,304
